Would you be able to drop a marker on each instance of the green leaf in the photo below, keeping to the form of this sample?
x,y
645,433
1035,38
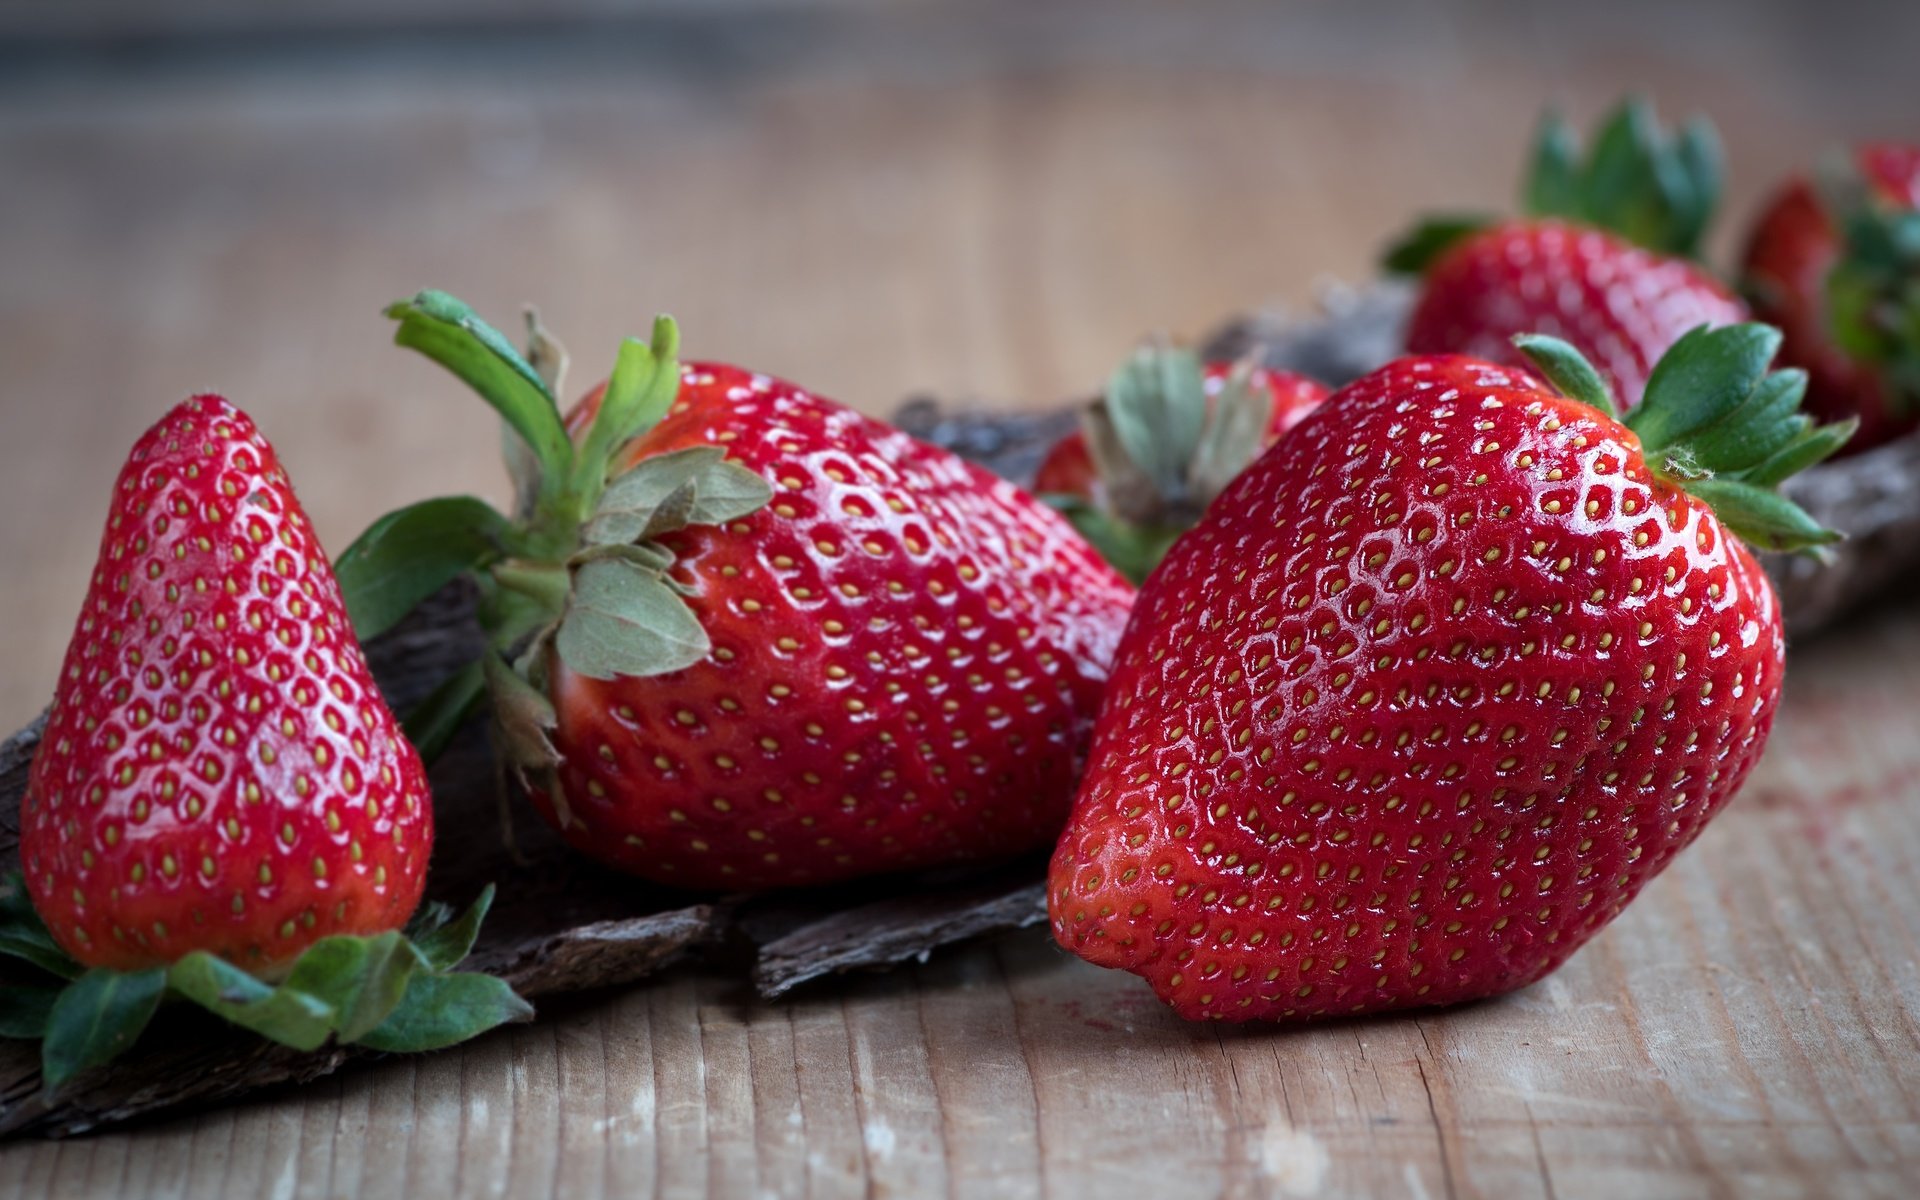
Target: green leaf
x,y
99,1015
360,978
445,947
720,491
1235,435
24,935
1157,402
1814,446
432,724
430,916
284,1014
1762,518
25,1011
1757,428
408,555
624,620
1620,188
1417,250
451,334
1567,370
1873,292
1553,178
523,719
1705,375
443,1010
644,383
1133,550
1648,186
1716,422
1702,162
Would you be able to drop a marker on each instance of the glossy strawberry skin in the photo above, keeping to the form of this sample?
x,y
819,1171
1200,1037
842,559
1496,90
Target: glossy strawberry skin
x,y
1068,468
1620,305
1793,247
218,771
907,656
1435,688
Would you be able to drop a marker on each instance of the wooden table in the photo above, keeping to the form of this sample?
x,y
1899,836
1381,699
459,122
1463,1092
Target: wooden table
x,y
988,204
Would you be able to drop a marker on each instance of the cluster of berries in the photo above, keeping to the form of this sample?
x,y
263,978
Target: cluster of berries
x,y
1423,680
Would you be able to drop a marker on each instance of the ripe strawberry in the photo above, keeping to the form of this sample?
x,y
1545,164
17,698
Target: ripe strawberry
x,y
1600,259
220,792
757,639
1439,683
218,770
1068,468
1619,304
1160,443
1838,270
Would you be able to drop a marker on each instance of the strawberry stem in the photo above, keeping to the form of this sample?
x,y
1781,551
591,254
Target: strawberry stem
x,y
544,583
447,331
645,380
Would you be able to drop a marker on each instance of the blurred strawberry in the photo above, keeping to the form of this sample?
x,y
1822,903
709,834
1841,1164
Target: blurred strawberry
x,y
1600,258
1165,438
1837,267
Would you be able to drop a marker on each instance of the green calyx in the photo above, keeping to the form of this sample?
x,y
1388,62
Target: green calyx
x,y
1718,424
579,568
1163,452
394,991
1873,291
1651,186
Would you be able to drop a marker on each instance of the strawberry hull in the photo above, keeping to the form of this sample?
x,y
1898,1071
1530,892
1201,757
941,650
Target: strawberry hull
x,y
1433,691
906,657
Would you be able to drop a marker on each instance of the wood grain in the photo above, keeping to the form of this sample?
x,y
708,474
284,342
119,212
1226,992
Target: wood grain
x,y
987,205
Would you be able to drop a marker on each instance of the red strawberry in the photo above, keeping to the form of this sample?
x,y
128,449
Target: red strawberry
x,y
1620,305
1068,468
1835,271
1160,443
218,770
1599,260
1439,683
758,639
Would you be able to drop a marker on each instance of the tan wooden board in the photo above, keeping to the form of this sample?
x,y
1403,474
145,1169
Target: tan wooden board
x,y
990,207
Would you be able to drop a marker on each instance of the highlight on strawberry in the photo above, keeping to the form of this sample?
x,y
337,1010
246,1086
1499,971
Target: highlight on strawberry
x,y
1835,263
1166,437
742,636
1441,682
222,811
1602,256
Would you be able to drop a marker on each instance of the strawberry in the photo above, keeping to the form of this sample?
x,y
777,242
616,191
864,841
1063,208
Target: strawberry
x,y
1600,258
1618,303
1439,683
748,637
1160,443
220,788
1837,268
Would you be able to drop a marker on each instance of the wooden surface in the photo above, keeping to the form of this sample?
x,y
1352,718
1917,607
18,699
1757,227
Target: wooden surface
x,y
989,203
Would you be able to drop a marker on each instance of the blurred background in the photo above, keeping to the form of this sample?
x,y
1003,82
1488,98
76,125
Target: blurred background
x,y
984,202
